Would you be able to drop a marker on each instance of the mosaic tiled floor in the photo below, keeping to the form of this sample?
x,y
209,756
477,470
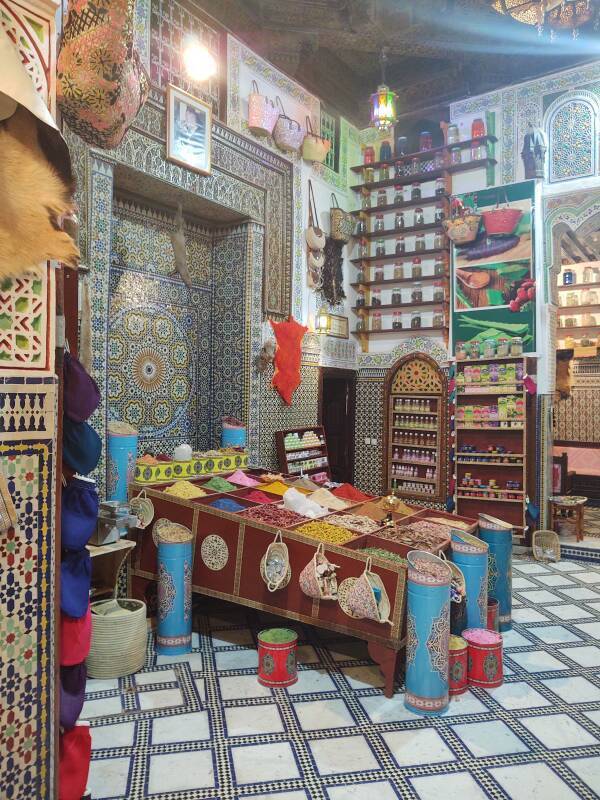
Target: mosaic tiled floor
x,y
200,726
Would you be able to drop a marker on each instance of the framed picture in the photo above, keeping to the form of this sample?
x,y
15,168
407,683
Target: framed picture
x,y
189,121
339,327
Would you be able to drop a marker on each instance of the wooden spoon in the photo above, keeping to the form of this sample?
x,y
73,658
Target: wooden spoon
x,y
473,280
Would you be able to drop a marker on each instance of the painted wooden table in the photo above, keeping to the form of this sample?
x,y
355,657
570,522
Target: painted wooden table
x,y
569,508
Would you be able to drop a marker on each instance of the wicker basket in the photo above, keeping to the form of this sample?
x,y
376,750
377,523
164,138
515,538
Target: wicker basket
x,y
546,546
118,642
462,230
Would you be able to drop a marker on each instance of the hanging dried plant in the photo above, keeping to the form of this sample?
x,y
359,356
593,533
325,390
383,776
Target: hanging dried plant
x,y
332,287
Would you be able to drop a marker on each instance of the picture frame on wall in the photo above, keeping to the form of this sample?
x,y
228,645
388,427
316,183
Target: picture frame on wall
x,y
189,122
340,328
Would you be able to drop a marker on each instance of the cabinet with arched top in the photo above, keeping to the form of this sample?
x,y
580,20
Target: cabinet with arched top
x,y
416,425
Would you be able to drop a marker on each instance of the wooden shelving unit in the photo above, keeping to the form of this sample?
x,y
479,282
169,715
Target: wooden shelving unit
x,y
587,293
290,463
423,155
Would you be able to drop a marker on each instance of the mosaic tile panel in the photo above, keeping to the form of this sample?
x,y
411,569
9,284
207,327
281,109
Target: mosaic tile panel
x,y
572,140
368,458
576,418
26,321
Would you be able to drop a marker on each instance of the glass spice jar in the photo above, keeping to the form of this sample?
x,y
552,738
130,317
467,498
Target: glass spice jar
x,y
438,319
420,243
502,347
417,269
440,213
439,240
379,222
376,321
360,276
381,198
401,145
399,271
440,187
361,227
363,249
396,297
416,294
400,245
419,217
569,277
439,293
366,200
572,299
360,324
397,321
379,274
516,346
369,175
415,193
453,134
477,150
460,351
439,266
489,348
360,298
385,151
376,297
398,195
399,221
425,141
415,166
477,128
369,155
384,172
439,160
455,155
380,248
415,320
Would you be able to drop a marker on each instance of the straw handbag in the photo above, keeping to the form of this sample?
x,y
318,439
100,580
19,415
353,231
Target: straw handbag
x,y
315,237
118,640
546,546
462,230
362,598
275,567
143,508
501,221
342,222
262,113
318,579
314,147
287,133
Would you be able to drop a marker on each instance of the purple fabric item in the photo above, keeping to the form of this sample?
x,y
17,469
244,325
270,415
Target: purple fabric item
x,y
75,581
81,394
72,694
79,514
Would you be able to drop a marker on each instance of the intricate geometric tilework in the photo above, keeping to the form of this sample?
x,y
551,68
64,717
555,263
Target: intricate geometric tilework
x,y
368,458
572,139
26,311
577,416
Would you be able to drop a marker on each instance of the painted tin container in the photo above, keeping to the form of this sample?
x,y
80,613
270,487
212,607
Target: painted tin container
x,y
184,470
471,555
427,635
457,671
233,436
498,535
277,657
493,620
484,658
174,629
122,455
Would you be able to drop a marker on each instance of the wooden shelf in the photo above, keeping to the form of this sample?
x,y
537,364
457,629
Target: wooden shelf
x,y
492,358
413,479
387,259
300,449
423,201
424,154
462,462
573,310
577,328
490,499
412,444
395,281
425,177
412,331
408,428
572,286
428,464
415,413
487,428
286,465
387,306
499,389
429,227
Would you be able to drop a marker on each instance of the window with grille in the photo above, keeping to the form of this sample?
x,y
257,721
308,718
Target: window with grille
x,y
330,129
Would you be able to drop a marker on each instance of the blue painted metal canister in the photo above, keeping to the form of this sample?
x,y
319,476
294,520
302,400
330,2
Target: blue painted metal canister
x,y
498,535
174,629
122,455
427,634
471,555
233,437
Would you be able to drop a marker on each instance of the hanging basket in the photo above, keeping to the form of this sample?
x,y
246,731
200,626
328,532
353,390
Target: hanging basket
x,y
287,133
462,230
501,221
262,113
318,579
118,640
275,567
143,508
546,546
314,147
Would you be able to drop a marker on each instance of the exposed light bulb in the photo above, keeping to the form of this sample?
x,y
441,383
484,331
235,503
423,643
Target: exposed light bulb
x,y
200,65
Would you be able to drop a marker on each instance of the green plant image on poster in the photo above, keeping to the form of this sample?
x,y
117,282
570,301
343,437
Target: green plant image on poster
x,y
493,277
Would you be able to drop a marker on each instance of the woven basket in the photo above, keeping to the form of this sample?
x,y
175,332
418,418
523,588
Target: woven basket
x,y
314,147
546,546
118,643
501,221
262,113
462,230
287,133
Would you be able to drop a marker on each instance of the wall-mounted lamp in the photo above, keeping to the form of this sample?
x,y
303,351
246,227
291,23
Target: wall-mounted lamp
x,y
323,321
199,63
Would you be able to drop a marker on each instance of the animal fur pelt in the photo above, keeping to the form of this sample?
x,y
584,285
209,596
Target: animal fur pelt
x,y
563,377
35,197
332,286
266,355
179,250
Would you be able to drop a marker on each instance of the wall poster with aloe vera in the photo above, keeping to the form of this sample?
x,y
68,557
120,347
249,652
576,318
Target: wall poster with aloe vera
x,y
493,274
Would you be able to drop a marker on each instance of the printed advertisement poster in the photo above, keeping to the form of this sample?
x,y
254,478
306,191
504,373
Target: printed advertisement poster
x,y
493,276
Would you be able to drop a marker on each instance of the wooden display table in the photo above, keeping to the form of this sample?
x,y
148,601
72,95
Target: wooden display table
x,y
107,560
571,508
227,553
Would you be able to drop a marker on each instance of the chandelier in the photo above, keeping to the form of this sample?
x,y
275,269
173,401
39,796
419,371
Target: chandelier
x,y
558,15
383,101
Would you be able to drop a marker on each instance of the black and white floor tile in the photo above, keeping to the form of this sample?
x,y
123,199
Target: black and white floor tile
x,y
200,727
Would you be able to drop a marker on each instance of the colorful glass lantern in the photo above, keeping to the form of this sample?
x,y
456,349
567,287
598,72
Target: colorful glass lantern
x,y
323,321
558,15
383,101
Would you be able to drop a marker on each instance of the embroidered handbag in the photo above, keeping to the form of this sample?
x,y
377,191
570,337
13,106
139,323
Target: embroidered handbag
x,y
315,237
342,223
315,261
262,113
314,147
287,133
368,599
275,565
318,579
101,82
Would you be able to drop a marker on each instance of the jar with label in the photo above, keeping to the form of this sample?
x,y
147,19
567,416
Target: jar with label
x,y
439,160
369,175
376,297
415,193
477,128
569,277
385,151
415,166
399,221
440,187
379,222
399,271
440,212
397,321
360,324
360,276
419,217
420,243
361,227
588,320
439,293
438,319
590,297
567,322
360,298
384,172
415,319
363,249
516,346
572,299
502,347
366,200
439,265
425,141
396,297
416,294
368,155
439,240
400,245
376,321
453,134
477,150
417,269
401,145
489,348
380,248
398,195
381,198
378,274
456,155
474,349
460,351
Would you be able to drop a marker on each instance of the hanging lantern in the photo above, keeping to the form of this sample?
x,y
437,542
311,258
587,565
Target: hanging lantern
x,y
323,321
383,101
558,15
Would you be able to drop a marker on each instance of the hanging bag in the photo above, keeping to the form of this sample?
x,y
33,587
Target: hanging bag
x,y
501,221
143,508
287,133
368,599
318,579
342,223
315,237
314,147
275,565
262,113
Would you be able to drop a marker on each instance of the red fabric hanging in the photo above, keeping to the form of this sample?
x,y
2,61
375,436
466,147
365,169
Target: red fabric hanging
x,y
288,336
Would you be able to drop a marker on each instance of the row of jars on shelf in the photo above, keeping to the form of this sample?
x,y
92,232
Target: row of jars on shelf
x,y
578,321
416,294
421,241
403,194
590,275
425,142
404,220
417,166
588,297
401,271
401,321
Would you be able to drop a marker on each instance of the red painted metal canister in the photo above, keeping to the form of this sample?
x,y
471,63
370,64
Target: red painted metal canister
x,y
485,657
493,614
277,657
457,673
